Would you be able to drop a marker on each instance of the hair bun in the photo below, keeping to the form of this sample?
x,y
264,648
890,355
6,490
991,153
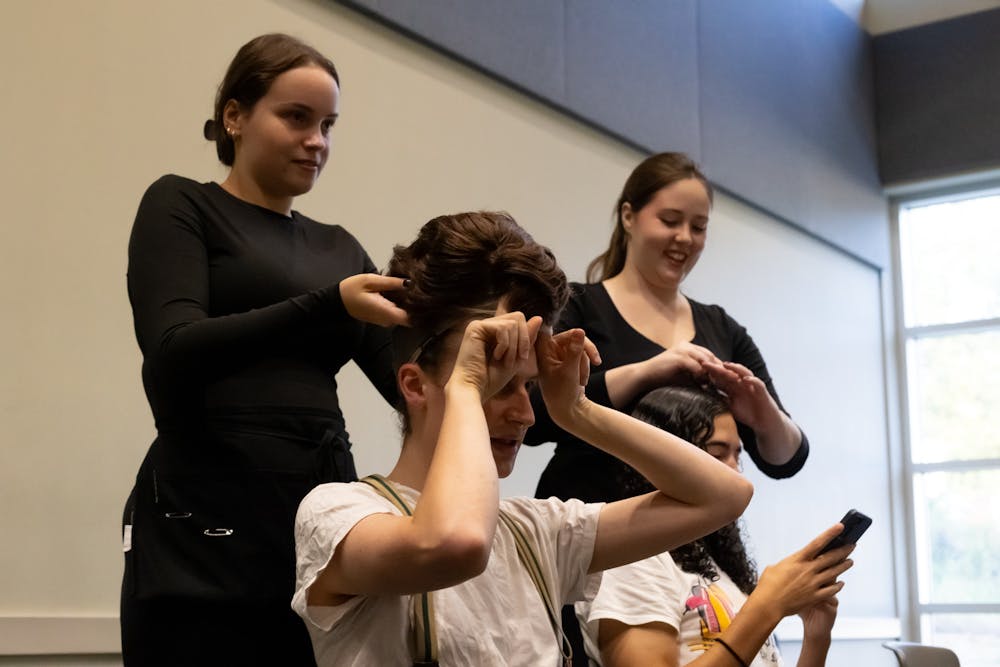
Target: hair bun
x,y
209,130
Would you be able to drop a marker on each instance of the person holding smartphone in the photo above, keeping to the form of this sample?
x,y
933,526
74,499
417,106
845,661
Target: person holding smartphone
x,y
702,603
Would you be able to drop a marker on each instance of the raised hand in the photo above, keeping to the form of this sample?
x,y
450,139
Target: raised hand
x,y
563,369
362,297
492,349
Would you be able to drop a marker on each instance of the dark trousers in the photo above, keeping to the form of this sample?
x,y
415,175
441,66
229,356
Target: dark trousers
x,y
195,633
210,573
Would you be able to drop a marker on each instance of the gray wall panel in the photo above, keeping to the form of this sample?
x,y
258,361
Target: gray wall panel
x,y
773,98
843,196
752,133
518,40
938,91
787,117
636,72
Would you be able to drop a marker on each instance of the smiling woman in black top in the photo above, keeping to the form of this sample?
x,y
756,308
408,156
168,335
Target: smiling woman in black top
x,y
650,334
244,311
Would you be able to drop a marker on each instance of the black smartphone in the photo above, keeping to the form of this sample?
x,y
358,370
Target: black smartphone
x,y
855,525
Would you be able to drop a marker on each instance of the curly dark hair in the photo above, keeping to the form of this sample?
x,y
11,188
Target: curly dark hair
x,y
690,414
460,267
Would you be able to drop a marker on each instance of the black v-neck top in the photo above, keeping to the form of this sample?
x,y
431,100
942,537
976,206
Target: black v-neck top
x,y
580,471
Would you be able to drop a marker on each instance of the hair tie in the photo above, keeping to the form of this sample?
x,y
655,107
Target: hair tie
x,y
718,640
209,130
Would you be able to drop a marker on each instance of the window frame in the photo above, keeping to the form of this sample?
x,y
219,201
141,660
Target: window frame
x,y
912,609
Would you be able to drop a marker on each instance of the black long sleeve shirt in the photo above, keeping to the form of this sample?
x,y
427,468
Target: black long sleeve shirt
x,y
579,470
236,305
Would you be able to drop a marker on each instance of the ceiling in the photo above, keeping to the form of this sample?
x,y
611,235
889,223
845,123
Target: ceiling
x,y
880,16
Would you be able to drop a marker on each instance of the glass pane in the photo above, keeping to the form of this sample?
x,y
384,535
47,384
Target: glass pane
x,y
957,536
948,258
974,637
954,396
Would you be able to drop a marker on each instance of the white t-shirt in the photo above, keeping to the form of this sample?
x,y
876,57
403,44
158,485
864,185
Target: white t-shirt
x,y
497,618
657,590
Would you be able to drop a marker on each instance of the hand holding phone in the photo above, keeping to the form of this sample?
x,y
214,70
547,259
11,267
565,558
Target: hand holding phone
x,y
855,525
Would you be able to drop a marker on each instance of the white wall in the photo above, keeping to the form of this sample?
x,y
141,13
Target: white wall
x,y
815,314
102,98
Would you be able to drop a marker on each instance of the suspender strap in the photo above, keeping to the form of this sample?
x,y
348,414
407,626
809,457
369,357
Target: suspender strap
x,y
529,559
424,629
384,489
422,604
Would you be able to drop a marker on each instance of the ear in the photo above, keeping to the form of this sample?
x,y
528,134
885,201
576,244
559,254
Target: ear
x,y
232,116
412,382
628,216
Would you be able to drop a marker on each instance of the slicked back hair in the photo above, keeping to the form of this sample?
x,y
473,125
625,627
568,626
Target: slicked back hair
x,y
460,267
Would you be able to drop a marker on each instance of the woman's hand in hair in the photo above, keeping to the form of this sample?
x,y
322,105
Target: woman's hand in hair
x,y
563,370
492,351
746,393
682,364
363,299
778,438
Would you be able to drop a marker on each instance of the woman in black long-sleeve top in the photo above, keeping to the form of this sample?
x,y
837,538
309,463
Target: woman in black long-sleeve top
x,y
649,334
244,310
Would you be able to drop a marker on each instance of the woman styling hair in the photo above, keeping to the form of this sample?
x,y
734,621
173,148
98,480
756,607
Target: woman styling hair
x,y
651,335
244,311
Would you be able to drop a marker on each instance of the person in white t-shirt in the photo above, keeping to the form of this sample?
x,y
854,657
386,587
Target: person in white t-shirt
x,y
702,603
481,297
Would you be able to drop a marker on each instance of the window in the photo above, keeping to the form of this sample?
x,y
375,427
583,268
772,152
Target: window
x,y
949,260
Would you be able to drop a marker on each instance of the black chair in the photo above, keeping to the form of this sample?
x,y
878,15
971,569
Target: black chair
x,y
910,654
